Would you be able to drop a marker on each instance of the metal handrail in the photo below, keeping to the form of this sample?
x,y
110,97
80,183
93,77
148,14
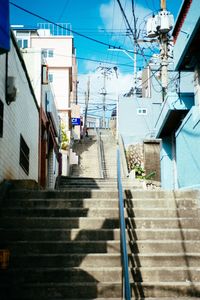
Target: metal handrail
x,y
126,286
100,155
123,156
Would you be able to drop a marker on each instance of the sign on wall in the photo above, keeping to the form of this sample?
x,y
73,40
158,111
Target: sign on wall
x,y
4,26
76,121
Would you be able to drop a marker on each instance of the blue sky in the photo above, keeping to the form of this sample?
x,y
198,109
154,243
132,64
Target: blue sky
x,y
101,20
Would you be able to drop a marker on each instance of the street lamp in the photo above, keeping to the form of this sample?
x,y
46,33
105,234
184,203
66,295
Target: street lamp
x,y
134,59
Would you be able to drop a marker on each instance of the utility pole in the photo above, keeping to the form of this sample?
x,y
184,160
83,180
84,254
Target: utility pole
x,y
105,71
163,5
104,93
135,38
160,26
164,54
87,98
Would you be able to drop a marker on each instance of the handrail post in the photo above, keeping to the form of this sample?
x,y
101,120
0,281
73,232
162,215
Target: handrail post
x,y
101,171
123,230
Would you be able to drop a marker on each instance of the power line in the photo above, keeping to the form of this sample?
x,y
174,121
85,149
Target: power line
x,y
134,33
68,29
62,27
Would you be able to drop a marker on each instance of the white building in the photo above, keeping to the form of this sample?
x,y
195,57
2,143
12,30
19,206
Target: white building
x,y
19,119
58,50
49,120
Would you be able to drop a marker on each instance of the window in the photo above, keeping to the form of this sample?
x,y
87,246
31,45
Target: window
x,y
142,111
24,155
47,53
44,53
50,53
19,42
22,43
50,77
1,118
25,43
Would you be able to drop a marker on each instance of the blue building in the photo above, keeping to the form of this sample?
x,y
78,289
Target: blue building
x,y
178,123
137,115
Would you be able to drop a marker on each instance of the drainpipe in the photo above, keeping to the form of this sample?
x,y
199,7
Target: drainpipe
x,y
175,177
6,79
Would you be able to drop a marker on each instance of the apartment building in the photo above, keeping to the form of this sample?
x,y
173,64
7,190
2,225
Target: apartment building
x,y
56,46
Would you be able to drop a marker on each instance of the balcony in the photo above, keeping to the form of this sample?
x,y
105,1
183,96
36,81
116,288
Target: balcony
x,y
174,109
187,36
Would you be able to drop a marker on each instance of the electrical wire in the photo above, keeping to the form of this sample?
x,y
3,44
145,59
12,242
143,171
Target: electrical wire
x,y
70,30
64,9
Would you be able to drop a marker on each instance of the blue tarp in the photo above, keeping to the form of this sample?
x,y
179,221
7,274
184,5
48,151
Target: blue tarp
x,y
4,26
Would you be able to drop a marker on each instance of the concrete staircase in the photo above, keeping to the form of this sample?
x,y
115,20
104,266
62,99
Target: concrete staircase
x,y
164,243
110,153
63,244
87,152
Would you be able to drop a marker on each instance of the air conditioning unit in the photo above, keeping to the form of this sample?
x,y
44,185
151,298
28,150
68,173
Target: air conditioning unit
x,y
11,89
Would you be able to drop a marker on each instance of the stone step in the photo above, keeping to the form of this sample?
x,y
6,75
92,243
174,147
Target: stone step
x,y
60,291
166,289
72,194
92,290
110,246
97,212
98,222
62,275
164,246
66,223
161,212
62,247
66,260
105,260
60,212
165,274
163,234
63,203
164,260
102,274
162,223
31,234
98,181
161,203
59,234
163,194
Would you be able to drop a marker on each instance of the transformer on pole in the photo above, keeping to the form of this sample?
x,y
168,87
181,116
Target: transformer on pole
x,y
159,26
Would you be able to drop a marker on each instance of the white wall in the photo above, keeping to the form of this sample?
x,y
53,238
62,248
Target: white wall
x,y
62,47
32,58
20,117
58,65
60,87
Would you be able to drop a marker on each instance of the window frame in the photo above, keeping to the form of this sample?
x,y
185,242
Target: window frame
x,y
24,155
142,111
47,52
50,77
